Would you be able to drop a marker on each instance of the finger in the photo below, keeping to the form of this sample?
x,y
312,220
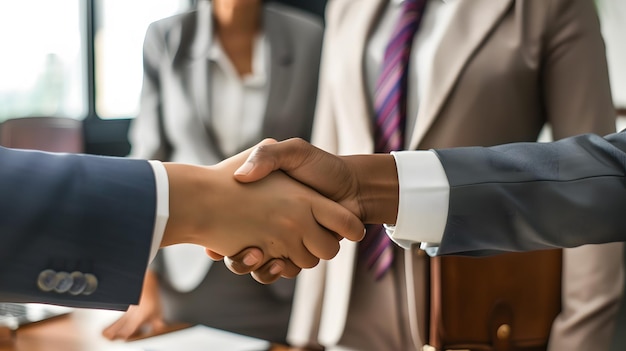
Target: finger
x,y
266,275
287,155
300,254
247,163
131,327
110,332
213,255
158,325
127,325
305,261
324,246
245,261
260,162
290,270
270,271
337,219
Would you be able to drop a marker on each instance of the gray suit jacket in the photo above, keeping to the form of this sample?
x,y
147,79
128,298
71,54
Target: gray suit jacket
x,y
533,196
175,124
502,70
66,213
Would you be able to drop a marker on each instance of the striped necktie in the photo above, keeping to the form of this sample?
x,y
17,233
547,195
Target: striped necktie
x,y
376,250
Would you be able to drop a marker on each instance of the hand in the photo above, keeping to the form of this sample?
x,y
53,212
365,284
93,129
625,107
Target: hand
x,y
365,184
250,261
282,217
147,317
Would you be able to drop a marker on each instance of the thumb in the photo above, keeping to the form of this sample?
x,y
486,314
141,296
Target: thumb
x,y
268,156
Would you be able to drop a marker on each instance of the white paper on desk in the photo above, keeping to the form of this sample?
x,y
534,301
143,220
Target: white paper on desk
x,y
200,338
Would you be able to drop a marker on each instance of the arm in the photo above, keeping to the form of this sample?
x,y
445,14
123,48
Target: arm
x,y
96,214
562,194
75,213
543,195
581,103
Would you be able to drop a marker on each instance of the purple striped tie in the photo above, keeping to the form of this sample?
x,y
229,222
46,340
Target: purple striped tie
x,y
376,250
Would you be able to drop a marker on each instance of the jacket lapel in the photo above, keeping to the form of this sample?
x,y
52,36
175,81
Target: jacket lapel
x,y
473,22
356,30
340,269
198,72
280,68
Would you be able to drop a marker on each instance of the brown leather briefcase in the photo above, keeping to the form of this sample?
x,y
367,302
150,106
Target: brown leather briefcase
x,y
499,303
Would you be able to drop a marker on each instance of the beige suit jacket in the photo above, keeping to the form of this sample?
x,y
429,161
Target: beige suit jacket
x,y
504,68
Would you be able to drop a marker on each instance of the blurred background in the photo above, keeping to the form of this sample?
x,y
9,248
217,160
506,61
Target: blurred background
x,y
82,59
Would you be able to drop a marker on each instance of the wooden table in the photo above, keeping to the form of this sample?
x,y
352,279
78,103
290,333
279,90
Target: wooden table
x,y
78,331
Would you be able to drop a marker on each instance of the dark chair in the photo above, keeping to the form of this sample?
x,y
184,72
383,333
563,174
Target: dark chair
x,y
54,134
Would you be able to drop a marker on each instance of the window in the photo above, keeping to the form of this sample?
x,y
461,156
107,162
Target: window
x,y
119,34
42,66
45,46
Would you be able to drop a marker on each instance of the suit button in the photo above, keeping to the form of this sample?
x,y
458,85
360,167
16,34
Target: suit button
x,y
91,283
47,280
503,332
64,282
79,283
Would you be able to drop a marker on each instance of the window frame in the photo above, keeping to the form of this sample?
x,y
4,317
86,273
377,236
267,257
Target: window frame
x,y
103,136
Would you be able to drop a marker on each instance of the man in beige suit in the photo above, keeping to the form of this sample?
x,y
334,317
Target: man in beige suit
x,y
481,72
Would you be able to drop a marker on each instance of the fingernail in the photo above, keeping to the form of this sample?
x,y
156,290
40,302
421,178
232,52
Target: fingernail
x,y
275,269
244,169
250,260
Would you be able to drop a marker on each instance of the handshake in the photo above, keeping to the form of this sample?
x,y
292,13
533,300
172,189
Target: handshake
x,y
280,206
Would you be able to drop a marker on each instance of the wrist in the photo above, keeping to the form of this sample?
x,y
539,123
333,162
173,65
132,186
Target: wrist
x,y
184,224
378,189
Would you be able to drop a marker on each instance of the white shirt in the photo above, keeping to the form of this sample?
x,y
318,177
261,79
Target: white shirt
x,y
162,206
424,188
238,103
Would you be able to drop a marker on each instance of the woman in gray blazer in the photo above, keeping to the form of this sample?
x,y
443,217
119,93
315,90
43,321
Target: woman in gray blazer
x,y
216,81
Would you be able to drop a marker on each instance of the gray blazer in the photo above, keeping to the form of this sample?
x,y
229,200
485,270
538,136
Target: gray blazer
x,y
533,196
175,125
172,124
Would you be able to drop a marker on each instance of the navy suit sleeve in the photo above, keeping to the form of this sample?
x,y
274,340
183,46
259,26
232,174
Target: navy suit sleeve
x,y
69,213
532,196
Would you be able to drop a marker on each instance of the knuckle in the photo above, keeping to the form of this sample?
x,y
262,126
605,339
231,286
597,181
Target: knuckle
x,y
310,262
329,250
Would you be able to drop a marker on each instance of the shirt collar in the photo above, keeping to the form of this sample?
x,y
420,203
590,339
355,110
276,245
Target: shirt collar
x,y
259,57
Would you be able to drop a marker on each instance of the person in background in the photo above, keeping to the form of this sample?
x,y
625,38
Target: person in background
x,y
217,80
420,74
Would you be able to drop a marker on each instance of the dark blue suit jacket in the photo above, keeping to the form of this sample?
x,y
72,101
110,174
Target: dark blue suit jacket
x,y
532,196
74,213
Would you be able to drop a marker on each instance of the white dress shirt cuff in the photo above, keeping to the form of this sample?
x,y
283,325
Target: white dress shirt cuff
x,y
423,201
162,206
